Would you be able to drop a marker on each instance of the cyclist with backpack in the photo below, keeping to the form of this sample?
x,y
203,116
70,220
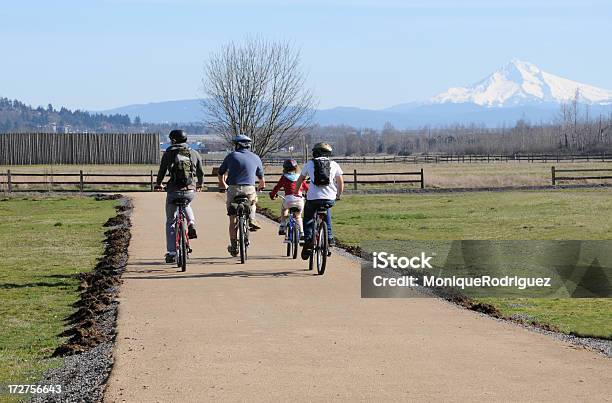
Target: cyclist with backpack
x,y
184,165
237,175
293,194
326,186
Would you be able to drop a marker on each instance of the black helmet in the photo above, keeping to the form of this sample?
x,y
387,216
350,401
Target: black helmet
x,y
321,150
178,136
290,165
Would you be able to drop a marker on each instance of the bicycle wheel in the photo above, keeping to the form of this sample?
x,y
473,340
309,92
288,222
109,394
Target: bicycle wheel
x,y
295,240
288,239
242,238
247,226
321,248
183,246
178,251
314,241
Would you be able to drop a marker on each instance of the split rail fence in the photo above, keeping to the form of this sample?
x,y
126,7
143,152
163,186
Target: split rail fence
x,y
555,178
11,181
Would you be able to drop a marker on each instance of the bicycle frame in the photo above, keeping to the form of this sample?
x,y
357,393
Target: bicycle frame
x,y
179,216
180,230
292,238
320,250
319,218
242,230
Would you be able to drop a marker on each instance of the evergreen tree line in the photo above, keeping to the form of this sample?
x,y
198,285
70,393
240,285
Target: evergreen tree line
x,y
16,116
573,132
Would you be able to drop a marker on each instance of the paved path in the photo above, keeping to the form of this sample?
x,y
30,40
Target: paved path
x,y
270,330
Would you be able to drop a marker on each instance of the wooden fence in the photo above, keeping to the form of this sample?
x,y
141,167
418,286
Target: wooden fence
x,y
555,178
79,148
11,181
446,158
385,181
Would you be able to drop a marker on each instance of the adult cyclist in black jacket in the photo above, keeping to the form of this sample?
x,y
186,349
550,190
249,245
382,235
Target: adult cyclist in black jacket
x,y
183,164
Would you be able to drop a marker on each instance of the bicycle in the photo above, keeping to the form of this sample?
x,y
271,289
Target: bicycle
x,y
292,232
182,237
320,251
242,205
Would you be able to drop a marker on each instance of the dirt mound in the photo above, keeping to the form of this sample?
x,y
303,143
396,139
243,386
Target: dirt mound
x,y
99,287
104,196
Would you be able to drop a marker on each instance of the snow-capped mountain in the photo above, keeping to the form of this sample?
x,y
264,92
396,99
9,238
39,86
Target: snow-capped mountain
x,y
522,83
519,90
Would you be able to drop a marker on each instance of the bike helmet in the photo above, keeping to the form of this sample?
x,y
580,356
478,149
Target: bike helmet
x,y
242,141
321,150
178,136
290,165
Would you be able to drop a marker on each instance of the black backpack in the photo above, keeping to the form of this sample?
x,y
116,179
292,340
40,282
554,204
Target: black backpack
x,y
182,169
321,171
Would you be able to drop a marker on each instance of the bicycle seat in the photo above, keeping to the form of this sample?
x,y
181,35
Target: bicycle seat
x,y
241,199
180,202
324,208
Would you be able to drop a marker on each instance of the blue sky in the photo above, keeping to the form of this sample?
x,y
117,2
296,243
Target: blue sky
x,y
102,54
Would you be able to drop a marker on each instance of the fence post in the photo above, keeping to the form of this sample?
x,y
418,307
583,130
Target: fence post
x,y
354,179
81,181
8,181
552,173
422,179
152,184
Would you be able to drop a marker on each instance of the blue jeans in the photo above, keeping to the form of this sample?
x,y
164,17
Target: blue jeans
x,y
171,210
309,211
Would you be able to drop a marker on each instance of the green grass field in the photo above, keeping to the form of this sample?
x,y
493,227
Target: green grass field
x,y
45,242
525,215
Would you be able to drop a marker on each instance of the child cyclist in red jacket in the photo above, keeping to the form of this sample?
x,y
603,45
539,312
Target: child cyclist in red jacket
x,y
293,196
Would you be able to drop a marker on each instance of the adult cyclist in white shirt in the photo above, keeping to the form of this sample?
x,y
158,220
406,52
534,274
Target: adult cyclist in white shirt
x,y
326,186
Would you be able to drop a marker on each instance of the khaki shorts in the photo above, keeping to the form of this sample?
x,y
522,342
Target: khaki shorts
x,y
293,201
239,190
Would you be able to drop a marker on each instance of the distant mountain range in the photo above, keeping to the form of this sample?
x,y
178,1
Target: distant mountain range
x,y
518,90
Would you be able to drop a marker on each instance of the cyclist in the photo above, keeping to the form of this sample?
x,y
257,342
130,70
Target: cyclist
x,y
237,175
326,186
183,164
293,194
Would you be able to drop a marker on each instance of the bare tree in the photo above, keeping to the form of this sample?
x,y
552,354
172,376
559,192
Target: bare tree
x,y
257,88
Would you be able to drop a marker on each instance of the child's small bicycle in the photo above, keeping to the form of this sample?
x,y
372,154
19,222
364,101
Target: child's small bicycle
x,y
292,232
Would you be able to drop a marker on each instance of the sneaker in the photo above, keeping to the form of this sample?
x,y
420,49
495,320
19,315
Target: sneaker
x,y
170,258
254,225
306,250
233,249
281,230
191,232
331,242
